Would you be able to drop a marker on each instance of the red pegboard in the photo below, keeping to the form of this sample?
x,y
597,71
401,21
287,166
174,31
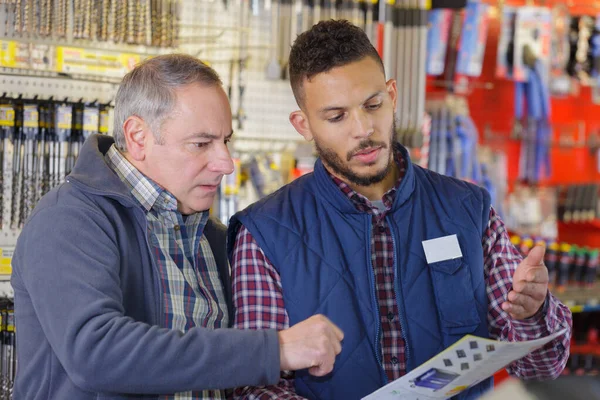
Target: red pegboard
x,y
495,107
492,106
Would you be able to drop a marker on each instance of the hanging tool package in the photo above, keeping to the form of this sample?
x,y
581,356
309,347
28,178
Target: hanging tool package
x,y
8,355
531,67
524,56
139,22
39,143
454,139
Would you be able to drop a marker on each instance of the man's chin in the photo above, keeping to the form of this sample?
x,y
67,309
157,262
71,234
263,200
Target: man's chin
x,y
195,207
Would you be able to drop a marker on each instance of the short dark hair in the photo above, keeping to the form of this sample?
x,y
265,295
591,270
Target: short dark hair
x,y
327,45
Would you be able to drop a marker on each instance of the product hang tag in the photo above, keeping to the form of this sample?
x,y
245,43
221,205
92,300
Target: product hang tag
x,y
442,249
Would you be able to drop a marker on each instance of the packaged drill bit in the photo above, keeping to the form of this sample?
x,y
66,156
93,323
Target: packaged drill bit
x,y
17,168
9,346
91,121
76,137
7,127
31,135
64,126
103,123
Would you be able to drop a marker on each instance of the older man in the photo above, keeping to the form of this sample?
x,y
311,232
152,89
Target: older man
x,y
121,278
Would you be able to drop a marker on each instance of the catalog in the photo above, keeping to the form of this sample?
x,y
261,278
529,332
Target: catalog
x,y
462,365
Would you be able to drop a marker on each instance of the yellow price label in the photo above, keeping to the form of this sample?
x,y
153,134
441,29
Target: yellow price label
x,y
7,116
107,63
8,54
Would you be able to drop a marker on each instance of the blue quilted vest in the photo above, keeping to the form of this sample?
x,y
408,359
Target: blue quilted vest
x,y
321,246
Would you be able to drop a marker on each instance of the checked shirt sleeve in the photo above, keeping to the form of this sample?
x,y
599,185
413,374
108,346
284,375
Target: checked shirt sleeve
x,y
258,301
501,259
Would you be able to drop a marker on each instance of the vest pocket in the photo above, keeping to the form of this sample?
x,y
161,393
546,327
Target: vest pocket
x,y
454,296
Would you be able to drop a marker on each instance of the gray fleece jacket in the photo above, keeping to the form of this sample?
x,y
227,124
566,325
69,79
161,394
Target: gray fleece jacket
x,y
88,301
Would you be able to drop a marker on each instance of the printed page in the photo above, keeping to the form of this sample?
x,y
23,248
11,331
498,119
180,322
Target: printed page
x,y
462,365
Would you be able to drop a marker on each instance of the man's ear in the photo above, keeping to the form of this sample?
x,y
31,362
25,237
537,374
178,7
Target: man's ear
x,y
392,90
136,131
300,123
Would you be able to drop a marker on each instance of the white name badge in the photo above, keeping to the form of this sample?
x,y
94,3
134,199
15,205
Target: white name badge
x,y
442,249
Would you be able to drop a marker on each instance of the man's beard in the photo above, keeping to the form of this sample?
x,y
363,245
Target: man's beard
x,y
332,160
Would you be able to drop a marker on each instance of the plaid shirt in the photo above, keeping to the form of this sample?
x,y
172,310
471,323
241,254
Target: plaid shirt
x,y
192,293
258,298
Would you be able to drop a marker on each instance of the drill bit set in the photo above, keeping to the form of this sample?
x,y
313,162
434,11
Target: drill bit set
x,y
135,22
8,355
39,143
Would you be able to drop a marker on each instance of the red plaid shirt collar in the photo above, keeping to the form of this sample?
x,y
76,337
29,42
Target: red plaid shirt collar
x,y
361,202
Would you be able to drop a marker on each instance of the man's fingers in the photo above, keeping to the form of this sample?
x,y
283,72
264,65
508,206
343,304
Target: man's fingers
x,y
531,274
339,335
320,370
524,301
538,291
535,257
537,274
516,311
337,346
325,365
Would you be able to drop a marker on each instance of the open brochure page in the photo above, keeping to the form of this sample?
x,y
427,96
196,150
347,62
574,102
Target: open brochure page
x,y
462,365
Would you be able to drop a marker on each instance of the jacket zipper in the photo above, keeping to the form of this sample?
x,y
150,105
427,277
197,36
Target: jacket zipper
x,y
374,299
157,311
397,291
84,187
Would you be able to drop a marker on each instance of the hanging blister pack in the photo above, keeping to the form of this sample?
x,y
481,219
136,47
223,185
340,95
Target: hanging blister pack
x,y
17,167
76,138
505,54
7,129
473,39
532,97
8,355
453,147
64,124
580,65
437,40
31,128
50,145
533,30
103,120
91,121
595,61
453,44
43,155
560,82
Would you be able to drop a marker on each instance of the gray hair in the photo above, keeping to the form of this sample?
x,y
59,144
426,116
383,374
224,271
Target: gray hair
x,y
148,91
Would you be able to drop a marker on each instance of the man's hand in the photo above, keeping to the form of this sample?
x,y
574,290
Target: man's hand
x,y
530,286
312,343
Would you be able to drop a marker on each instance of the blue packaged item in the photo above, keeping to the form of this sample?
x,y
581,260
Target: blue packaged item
x,y
533,29
473,38
437,40
504,57
435,379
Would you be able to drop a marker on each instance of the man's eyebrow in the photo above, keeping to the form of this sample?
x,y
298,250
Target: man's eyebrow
x,y
339,108
206,135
